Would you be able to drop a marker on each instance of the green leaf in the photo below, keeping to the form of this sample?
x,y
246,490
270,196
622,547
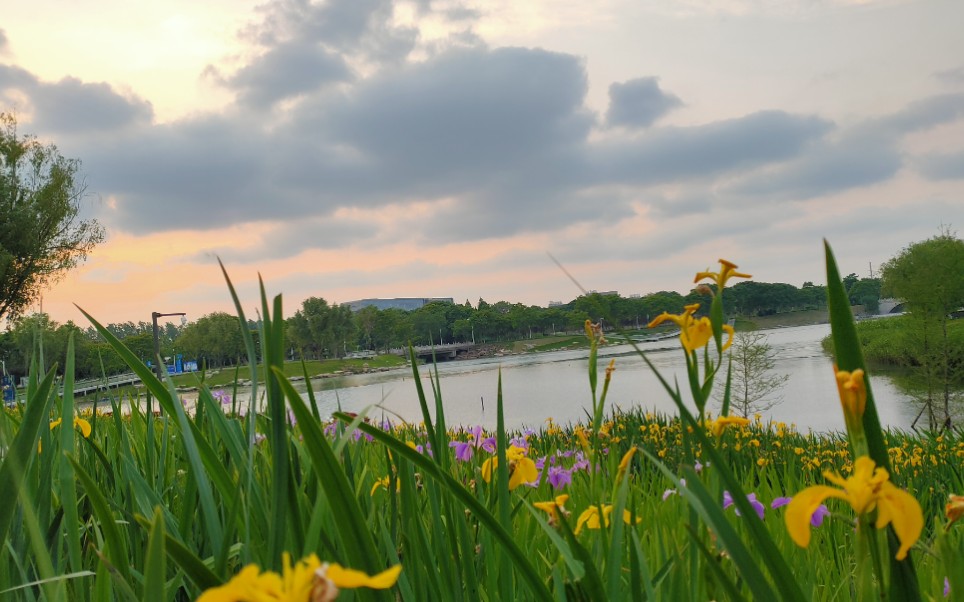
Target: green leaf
x,y
430,469
356,538
155,589
116,550
849,356
23,446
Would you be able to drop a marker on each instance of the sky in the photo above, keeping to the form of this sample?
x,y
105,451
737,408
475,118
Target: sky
x,y
441,148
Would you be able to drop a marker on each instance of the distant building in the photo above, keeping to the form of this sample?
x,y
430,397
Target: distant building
x,y
556,304
403,303
606,293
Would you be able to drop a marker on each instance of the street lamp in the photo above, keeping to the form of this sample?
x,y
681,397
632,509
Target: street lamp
x,y
157,346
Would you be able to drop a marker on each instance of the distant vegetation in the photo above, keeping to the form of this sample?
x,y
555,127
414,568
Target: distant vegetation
x,y
320,330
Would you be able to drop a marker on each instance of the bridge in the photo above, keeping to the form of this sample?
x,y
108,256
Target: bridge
x,y
447,351
87,386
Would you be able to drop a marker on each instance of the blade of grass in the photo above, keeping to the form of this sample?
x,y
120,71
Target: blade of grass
x,y
22,448
430,469
155,586
357,540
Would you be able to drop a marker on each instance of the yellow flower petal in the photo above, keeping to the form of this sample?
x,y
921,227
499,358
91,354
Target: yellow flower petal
x,y
84,427
954,509
525,471
487,468
350,578
729,340
802,507
901,509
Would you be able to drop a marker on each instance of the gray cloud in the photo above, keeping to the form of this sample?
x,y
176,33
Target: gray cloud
x,y
358,28
290,238
503,134
831,166
863,154
638,103
947,166
285,71
4,43
71,106
920,115
951,76
707,151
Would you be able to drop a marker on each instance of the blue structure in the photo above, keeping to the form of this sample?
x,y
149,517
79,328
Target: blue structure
x,y
9,391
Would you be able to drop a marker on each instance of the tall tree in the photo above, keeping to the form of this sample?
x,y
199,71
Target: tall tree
x,y
929,278
754,386
41,236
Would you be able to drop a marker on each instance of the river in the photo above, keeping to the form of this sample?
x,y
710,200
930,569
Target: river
x,y
554,384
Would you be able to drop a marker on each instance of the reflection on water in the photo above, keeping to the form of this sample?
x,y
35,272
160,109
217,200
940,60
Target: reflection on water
x,y
554,384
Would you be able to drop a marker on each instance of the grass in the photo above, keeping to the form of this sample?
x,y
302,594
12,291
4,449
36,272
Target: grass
x,y
166,506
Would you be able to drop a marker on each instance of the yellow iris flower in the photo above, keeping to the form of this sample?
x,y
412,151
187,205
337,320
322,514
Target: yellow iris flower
x,y
853,393
80,423
554,507
869,487
521,469
727,271
624,463
695,333
590,518
308,579
722,422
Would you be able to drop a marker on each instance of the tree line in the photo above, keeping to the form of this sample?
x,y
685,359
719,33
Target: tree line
x,y
321,330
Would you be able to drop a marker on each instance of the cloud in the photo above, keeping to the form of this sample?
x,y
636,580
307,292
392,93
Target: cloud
x,y
285,71
954,75
638,103
71,106
863,154
360,29
849,161
945,166
703,152
4,43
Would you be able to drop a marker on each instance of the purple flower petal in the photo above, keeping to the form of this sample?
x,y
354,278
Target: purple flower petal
x,y
780,502
559,477
816,519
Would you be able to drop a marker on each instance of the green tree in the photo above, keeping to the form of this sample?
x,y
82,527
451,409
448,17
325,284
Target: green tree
x,y
754,384
214,340
321,330
41,236
928,277
866,292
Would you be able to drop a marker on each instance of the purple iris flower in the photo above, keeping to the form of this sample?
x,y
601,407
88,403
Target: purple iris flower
x,y
816,519
758,506
581,462
488,445
331,428
559,477
519,442
541,463
463,450
698,467
947,587
670,492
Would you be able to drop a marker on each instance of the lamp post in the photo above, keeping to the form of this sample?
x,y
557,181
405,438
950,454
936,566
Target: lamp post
x,y
157,345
